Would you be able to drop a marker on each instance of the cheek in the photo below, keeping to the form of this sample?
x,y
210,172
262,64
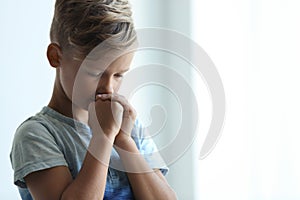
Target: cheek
x,y
67,76
117,86
84,88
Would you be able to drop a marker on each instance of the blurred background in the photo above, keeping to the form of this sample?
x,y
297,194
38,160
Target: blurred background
x,y
255,46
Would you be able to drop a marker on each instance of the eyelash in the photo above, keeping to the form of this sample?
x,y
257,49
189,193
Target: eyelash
x,y
119,75
98,75
94,75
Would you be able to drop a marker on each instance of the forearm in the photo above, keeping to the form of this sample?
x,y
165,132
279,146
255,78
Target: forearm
x,y
145,182
91,180
149,186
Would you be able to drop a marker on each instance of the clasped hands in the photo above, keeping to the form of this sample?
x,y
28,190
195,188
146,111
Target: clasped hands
x,y
113,116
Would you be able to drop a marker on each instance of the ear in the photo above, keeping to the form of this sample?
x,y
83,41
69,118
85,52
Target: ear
x,y
54,55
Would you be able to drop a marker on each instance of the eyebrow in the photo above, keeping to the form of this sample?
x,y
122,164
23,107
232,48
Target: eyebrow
x,y
125,70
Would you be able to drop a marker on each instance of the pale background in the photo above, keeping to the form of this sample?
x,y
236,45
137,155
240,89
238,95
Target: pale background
x,y
255,45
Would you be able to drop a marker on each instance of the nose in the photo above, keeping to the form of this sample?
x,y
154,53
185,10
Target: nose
x,y
105,85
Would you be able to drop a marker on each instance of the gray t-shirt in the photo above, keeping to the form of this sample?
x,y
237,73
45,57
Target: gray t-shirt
x,y
50,139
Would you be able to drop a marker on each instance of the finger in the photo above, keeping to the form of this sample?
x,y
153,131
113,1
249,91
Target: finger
x,y
97,97
128,109
102,97
114,97
127,125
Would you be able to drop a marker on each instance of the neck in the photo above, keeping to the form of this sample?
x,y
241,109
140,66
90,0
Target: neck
x,y
61,103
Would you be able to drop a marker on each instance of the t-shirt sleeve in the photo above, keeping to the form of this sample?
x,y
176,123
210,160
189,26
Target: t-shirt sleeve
x,y
34,149
148,148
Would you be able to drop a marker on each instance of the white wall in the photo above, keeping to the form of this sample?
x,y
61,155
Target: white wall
x,y
26,81
255,45
174,15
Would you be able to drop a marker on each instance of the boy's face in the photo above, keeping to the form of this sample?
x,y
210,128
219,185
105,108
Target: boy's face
x,y
82,80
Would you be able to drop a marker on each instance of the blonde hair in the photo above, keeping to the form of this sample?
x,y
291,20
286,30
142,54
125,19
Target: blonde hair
x,y
81,25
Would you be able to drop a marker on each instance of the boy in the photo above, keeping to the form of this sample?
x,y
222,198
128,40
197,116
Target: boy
x,y
64,151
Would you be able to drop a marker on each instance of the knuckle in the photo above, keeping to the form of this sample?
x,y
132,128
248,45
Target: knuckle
x,y
131,112
121,96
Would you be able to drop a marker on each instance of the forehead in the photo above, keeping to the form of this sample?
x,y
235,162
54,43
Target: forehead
x,y
109,61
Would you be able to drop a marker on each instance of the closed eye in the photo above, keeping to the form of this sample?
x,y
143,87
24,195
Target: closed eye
x,y
94,74
119,75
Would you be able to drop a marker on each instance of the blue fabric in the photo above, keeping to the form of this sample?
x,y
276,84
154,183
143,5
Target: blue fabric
x,y
50,139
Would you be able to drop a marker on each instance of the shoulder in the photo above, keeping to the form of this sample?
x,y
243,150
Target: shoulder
x,y
141,137
32,127
33,135
34,148
45,123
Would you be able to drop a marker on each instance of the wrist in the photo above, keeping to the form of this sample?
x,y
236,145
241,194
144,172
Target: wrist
x,y
108,134
100,148
124,141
